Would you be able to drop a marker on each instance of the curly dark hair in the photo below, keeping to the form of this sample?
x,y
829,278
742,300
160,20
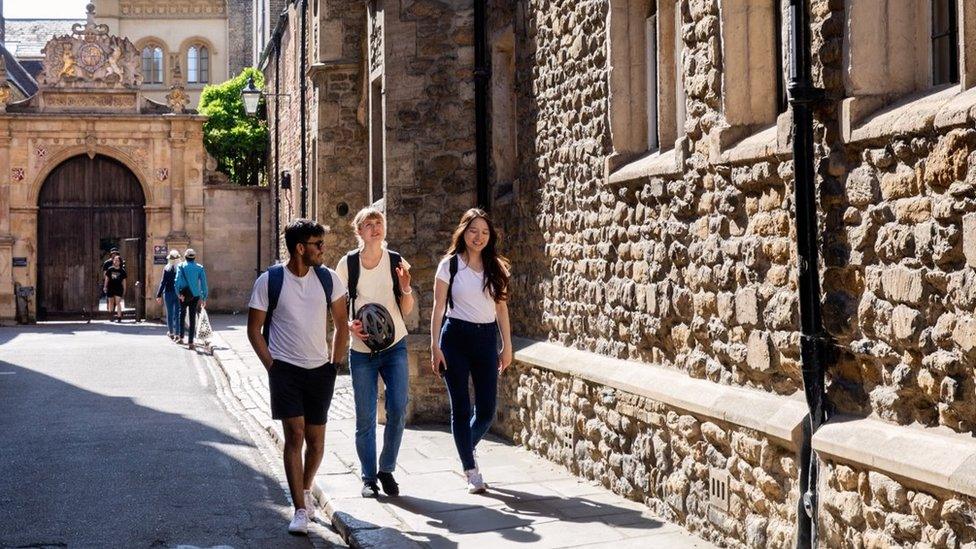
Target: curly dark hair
x,y
495,265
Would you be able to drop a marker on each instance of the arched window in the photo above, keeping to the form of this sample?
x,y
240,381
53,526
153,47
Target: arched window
x,y
152,65
198,65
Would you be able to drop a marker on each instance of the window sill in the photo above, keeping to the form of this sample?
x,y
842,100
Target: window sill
x,y
739,144
653,164
937,109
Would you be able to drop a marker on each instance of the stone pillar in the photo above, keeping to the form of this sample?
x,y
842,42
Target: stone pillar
x,y
8,307
177,177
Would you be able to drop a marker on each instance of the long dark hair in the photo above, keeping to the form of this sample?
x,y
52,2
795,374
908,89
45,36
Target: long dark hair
x,y
495,264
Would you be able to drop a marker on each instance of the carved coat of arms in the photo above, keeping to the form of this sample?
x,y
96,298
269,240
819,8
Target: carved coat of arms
x,y
90,58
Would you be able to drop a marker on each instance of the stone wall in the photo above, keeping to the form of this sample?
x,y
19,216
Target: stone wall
x,y
427,64
656,454
338,86
864,508
693,268
231,235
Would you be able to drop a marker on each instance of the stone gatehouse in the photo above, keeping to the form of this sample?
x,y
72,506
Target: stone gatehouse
x,y
88,163
642,174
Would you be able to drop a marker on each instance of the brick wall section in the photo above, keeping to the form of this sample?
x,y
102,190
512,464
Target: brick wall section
x,y
240,34
231,216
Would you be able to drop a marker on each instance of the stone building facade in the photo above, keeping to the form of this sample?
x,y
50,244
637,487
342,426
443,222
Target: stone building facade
x,y
643,179
210,40
71,154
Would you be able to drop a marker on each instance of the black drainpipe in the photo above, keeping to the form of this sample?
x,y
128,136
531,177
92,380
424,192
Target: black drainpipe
x,y
813,338
301,104
277,142
482,77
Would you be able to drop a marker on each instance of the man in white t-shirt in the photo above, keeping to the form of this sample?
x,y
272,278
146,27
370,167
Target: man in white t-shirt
x,y
290,304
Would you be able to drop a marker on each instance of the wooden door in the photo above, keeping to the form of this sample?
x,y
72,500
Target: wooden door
x,y
86,207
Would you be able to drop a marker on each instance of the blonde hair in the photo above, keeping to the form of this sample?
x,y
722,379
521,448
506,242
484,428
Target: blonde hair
x,y
363,215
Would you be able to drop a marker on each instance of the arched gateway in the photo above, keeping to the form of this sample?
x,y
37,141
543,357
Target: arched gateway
x,y
87,206
88,162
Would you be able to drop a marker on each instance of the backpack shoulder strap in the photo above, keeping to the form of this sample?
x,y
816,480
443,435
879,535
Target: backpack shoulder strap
x,y
352,269
276,278
395,259
325,277
453,269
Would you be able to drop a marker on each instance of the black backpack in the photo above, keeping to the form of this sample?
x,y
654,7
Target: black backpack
x,y
352,266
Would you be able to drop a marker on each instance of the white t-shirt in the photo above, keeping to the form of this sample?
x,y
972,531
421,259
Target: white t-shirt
x,y
375,286
299,326
472,302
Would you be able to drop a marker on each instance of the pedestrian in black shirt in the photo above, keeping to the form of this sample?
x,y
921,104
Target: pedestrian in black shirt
x,y
114,287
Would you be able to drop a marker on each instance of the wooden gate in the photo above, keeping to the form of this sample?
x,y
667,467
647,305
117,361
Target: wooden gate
x,y
87,206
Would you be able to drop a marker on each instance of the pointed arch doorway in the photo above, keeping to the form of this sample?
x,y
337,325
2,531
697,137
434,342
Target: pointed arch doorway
x,y
87,206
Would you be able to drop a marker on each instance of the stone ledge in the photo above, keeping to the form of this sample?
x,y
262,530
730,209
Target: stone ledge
x,y
934,456
776,416
654,164
937,109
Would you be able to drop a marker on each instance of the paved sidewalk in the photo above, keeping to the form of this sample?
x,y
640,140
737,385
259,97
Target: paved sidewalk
x,y
531,500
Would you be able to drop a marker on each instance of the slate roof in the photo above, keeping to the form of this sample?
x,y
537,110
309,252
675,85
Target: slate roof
x,y
17,75
26,37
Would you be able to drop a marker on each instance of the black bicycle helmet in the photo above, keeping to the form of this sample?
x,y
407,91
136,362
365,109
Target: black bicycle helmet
x,y
378,325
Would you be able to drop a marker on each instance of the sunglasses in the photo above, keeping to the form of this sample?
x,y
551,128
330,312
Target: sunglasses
x,y
318,244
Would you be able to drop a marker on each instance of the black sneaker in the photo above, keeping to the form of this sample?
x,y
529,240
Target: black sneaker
x,y
390,486
370,489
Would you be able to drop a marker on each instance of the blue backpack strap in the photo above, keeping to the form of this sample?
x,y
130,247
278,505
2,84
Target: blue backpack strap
x,y
325,277
276,278
394,263
352,269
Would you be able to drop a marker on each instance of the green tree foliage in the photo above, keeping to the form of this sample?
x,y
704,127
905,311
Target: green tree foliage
x,y
236,140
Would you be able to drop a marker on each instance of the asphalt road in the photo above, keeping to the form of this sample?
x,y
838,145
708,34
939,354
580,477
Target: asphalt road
x,y
113,436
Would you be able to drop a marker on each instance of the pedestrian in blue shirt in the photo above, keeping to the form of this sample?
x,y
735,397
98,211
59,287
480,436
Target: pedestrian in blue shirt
x,y
167,293
191,287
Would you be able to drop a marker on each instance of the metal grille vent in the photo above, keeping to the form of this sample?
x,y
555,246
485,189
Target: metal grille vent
x,y
718,488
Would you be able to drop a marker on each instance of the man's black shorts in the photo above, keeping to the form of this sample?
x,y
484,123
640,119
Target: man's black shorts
x,y
297,391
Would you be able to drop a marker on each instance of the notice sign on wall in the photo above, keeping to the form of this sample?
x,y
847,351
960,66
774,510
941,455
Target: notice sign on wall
x,y
20,262
159,255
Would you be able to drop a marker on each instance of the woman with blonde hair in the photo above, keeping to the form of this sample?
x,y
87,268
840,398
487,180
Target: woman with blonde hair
x,y
167,293
380,297
470,309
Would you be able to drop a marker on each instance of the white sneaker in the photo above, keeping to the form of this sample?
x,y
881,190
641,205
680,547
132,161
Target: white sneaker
x,y
310,504
476,484
299,524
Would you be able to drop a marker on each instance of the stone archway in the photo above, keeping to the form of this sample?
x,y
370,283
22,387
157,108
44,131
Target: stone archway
x,y
87,205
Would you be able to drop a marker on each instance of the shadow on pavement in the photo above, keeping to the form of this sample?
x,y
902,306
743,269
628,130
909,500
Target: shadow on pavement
x,y
82,468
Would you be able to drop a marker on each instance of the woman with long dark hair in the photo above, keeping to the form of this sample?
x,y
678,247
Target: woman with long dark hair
x,y
470,309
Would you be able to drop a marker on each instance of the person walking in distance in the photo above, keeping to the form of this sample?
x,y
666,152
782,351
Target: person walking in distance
x,y
470,309
287,325
114,287
167,293
379,296
191,287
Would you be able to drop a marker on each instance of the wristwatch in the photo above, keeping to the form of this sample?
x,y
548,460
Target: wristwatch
x,y
408,291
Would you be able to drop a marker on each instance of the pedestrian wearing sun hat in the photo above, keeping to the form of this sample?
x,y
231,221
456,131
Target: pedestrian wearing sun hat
x,y
191,287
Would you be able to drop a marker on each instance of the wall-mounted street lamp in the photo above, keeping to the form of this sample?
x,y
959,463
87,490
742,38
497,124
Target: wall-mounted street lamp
x,y
251,95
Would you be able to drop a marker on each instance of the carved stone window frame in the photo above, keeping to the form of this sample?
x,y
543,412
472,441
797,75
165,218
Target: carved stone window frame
x,y
887,92
752,34
638,149
198,42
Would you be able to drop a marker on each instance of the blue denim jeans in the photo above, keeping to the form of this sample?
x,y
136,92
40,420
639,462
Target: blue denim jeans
x,y
391,365
470,351
172,302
